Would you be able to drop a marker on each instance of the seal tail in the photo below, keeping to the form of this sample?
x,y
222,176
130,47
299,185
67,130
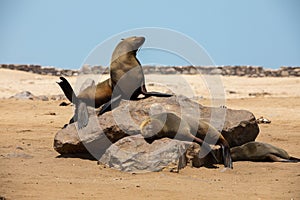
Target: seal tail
x,y
67,89
81,112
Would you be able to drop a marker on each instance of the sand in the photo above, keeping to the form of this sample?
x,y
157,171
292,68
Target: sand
x,y
31,169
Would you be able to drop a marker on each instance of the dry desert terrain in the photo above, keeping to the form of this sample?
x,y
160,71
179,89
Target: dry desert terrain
x,y
31,168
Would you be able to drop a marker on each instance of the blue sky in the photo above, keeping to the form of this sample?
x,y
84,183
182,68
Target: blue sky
x,y
234,32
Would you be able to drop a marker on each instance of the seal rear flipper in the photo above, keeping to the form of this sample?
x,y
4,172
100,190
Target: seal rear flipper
x,y
110,104
82,115
294,159
275,158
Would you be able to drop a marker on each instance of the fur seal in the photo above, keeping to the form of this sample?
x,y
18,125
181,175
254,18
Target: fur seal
x,y
258,151
126,72
94,95
127,82
171,126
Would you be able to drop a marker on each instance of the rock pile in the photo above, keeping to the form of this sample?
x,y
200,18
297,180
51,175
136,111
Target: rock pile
x,y
249,71
43,70
114,137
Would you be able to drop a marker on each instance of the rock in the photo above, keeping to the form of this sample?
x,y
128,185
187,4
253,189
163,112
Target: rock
x,y
64,103
262,120
259,94
237,126
43,98
85,69
196,159
134,154
67,141
87,83
58,97
94,139
284,73
24,95
18,155
250,71
29,95
216,71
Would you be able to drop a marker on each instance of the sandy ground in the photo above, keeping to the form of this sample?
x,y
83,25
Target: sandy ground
x,y
30,168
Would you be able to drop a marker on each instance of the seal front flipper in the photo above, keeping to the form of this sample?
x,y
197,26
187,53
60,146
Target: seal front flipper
x,y
156,94
111,104
227,161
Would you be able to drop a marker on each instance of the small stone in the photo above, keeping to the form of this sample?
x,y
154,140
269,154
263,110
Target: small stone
x,y
64,104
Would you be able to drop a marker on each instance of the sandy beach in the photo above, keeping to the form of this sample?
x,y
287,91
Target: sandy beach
x,y
31,168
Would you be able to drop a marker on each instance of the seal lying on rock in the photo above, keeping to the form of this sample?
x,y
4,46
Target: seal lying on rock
x,y
171,126
126,72
258,151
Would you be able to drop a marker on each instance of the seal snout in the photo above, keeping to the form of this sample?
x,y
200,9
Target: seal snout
x,y
141,39
138,41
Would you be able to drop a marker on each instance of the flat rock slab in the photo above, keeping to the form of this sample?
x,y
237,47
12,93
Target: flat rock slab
x,y
237,126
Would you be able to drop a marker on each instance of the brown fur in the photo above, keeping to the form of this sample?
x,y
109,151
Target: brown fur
x,y
97,95
94,96
126,72
124,61
258,151
171,126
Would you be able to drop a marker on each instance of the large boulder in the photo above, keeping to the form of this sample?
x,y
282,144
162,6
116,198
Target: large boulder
x,y
134,154
237,126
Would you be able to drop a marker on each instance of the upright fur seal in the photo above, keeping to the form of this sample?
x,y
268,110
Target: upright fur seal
x,y
258,151
126,72
94,96
127,82
171,126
